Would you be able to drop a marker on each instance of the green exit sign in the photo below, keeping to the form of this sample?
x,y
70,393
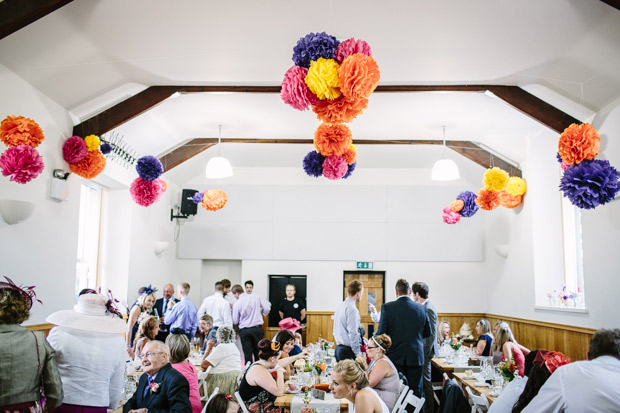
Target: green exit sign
x,y
364,265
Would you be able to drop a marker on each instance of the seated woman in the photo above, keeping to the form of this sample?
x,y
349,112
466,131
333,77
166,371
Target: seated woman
x,y
149,328
443,332
225,359
178,347
382,375
286,339
505,343
349,382
222,403
485,337
258,389
205,324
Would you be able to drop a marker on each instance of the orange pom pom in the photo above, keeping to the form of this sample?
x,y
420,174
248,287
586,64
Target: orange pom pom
x,y
164,185
214,199
18,130
579,142
332,139
487,200
509,201
350,155
457,205
89,167
339,110
359,76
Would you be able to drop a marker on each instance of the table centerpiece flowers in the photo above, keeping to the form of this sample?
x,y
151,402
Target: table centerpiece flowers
x,y
509,370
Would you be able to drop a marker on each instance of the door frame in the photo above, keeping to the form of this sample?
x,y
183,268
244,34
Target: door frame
x,y
344,282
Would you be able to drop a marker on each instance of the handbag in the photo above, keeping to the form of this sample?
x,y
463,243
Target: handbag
x,y
39,406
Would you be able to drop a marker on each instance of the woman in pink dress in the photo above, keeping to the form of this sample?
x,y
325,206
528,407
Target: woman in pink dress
x,y
179,352
506,343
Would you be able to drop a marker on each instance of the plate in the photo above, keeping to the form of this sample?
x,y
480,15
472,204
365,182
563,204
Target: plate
x,y
472,377
292,391
483,384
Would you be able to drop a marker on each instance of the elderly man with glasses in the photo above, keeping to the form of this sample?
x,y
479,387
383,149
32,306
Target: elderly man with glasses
x,y
161,388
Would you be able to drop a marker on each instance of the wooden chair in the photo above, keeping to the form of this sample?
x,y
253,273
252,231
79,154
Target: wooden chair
x,y
241,403
412,400
479,403
404,389
202,382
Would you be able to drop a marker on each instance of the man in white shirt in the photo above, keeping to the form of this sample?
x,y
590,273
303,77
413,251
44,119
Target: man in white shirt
x,y
585,386
347,324
217,307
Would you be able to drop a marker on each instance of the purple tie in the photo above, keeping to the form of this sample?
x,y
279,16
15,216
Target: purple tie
x,y
148,387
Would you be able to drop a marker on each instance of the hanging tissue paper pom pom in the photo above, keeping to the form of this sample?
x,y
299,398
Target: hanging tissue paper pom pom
x,y
590,183
509,201
18,130
339,110
314,46
22,163
164,185
197,198
322,78
105,148
214,199
495,179
350,155
313,164
516,186
332,139
579,142
295,92
92,142
469,203
487,200
359,76
350,170
74,149
450,217
457,205
149,168
145,193
334,167
89,167
350,47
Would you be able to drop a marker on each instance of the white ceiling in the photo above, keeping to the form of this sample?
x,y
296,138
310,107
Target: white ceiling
x,y
89,55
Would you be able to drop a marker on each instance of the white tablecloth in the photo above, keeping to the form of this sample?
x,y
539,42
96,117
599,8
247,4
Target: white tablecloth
x,y
329,404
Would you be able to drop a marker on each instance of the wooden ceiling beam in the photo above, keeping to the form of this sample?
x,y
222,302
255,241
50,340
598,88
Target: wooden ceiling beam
x,y
613,3
17,14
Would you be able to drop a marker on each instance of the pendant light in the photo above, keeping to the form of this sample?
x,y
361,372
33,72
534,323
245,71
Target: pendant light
x,y
218,167
445,169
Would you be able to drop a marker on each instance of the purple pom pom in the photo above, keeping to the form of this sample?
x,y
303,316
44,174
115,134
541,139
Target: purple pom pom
x,y
149,168
313,164
558,157
469,204
590,183
313,46
105,148
350,170
197,198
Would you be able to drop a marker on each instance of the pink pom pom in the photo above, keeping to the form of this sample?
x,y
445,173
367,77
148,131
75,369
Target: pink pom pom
x,y
564,166
22,162
352,46
146,193
334,167
294,91
74,150
450,217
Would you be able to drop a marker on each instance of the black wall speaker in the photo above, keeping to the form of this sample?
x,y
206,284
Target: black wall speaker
x,y
188,207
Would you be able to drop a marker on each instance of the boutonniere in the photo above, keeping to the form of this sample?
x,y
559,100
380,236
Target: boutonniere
x,y
154,387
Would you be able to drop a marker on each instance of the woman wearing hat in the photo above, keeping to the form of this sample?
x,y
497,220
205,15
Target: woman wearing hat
x,y
286,340
90,354
27,361
141,309
294,326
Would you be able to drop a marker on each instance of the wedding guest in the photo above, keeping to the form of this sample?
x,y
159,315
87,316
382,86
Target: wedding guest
x,y
497,355
222,403
182,317
349,382
143,307
292,325
419,291
27,361
225,359
485,338
217,307
505,343
292,306
249,286
382,375
347,322
248,312
204,327
286,339
443,332
512,391
148,330
160,307
178,346
90,353
258,389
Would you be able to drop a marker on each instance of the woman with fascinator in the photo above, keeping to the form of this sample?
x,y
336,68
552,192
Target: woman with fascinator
x,y
143,307
27,361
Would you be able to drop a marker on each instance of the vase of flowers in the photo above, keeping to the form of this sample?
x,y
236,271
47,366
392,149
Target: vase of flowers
x,y
509,370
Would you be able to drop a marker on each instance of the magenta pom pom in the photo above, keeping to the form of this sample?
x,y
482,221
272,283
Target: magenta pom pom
x,y
146,193
295,92
335,167
352,46
22,163
74,150
450,217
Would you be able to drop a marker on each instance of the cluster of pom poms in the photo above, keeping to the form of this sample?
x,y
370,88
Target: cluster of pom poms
x,y
21,161
500,189
211,200
85,155
335,79
586,182
147,188
463,206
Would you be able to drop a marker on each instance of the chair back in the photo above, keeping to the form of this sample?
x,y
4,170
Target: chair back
x,y
412,400
202,382
241,403
404,389
479,403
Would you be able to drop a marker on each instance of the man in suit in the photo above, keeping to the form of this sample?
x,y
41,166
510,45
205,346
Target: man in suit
x,y
420,296
406,322
161,306
161,388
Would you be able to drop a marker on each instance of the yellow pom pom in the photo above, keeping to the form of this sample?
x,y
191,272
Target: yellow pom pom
x,y
322,78
92,142
495,179
516,186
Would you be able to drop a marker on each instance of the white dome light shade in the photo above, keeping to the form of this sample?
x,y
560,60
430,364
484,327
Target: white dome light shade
x,y
445,170
218,167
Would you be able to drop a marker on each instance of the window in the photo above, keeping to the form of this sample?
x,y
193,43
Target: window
x,y
573,254
88,237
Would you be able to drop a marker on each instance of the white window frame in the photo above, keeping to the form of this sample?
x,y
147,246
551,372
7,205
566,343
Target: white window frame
x,y
89,228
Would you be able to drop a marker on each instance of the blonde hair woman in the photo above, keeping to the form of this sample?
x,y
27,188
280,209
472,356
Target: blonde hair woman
x,y
349,382
485,337
142,308
382,375
443,332
149,328
505,342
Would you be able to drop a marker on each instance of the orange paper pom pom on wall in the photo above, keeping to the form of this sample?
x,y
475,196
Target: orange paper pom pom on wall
x,y
456,206
18,130
214,199
359,76
89,167
579,142
332,140
339,110
508,201
350,155
487,200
